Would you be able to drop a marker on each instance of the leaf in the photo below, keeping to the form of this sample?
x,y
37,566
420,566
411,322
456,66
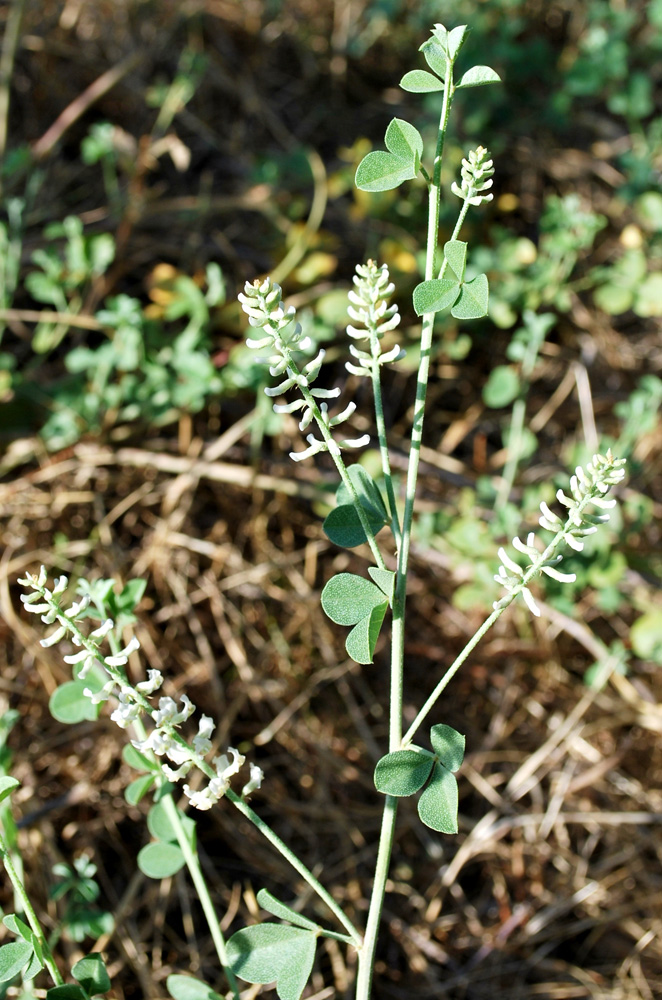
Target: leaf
x,y
160,860
455,252
343,526
134,792
646,636
502,387
270,952
381,171
472,300
7,786
419,81
68,704
66,992
161,828
361,641
92,975
385,580
274,906
456,39
403,140
478,76
403,772
190,988
14,957
135,759
435,56
351,600
437,806
448,745
34,966
366,487
347,598
434,295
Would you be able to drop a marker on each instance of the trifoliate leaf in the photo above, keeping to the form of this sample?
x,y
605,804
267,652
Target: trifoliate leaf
x,y
267,953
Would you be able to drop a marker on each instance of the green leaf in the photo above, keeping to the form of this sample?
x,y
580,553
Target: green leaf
x,y
648,297
381,171
473,299
14,957
343,525
613,299
437,806
91,974
348,598
448,745
478,76
646,636
361,641
435,56
190,988
136,760
270,952
403,140
134,792
456,39
403,772
434,295
385,580
7,786
68,704
34,966
419,81
160,860
455,252
274,906
161,828
66,992
502,387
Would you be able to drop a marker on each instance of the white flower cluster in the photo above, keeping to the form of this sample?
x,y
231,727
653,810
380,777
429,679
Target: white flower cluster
x,y
164,740
477,172
262,303
587,487
369,306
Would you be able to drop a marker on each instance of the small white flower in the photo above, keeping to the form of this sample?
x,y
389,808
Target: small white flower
x,y
152,684
255,782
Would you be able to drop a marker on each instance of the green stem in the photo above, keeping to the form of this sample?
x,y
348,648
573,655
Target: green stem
x,y
367,954
198,879
33,920
298,866
381,433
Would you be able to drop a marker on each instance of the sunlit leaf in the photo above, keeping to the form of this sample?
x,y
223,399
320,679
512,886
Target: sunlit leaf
x,y
403,772
448,745
438,804
473,299
478,76
419,81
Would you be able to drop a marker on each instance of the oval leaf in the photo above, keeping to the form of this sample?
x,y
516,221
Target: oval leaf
x,y
361,641
161,828
502,387
160,860
455,252
403,140
385,580
448,745
419,81
366,488
347,598
189,988
136,760
478,76
134,792
435,56
14,957
91,973
343,526
434,295
68,704
402,773
472,300
456,39
381,171
270,952
437,806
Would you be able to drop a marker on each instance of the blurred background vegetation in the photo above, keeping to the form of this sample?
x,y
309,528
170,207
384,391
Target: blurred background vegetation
x,y
155,156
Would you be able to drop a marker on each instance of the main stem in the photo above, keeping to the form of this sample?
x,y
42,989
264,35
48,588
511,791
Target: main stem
x,y
367,952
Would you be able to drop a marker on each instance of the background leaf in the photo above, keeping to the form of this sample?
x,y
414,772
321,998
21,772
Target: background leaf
x,y
160,860
190,988
92,975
